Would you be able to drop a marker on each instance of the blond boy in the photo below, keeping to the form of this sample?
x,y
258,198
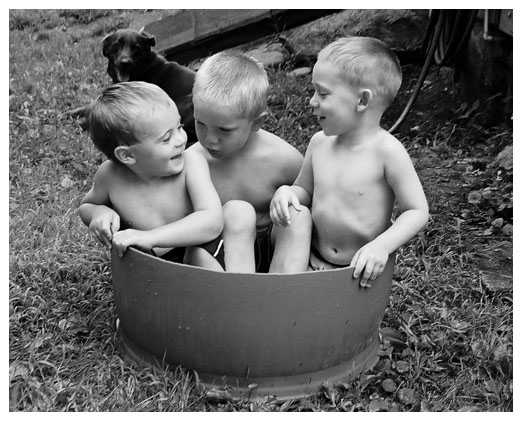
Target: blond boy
x,y
247,164
353,170
150,193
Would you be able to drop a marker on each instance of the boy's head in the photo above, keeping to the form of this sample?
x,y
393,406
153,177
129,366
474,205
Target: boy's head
x,y
229,96
232,80
117,116
366,63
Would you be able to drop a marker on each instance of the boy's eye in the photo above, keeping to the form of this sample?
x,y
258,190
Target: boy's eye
x,y
167,137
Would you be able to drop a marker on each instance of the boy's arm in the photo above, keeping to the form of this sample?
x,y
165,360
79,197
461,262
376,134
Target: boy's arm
x,y
297,195
290,162
200,226
95,210
404,181
304,184
207,219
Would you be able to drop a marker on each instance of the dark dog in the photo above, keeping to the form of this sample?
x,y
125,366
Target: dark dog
x,y
131,59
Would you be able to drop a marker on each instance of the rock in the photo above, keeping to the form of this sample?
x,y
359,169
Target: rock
x,y
507,229
496,282
407,396
269,55
302,71
402,29
495,267
378,406
505,158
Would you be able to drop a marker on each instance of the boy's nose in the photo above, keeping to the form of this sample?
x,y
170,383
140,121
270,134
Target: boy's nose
x,y
211,138
313,101
181,139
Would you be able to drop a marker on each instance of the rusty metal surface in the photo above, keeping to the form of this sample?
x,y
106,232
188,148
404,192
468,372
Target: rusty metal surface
x,y
285,333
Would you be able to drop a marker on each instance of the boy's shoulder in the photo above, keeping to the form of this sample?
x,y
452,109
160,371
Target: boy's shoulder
x,y
273,147
320,139
394,154
109,173
108,169
389,144
195,155
196,147
271,140
196,150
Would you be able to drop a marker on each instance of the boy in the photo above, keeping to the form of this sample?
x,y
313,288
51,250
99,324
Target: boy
x,y
158,193
247,164
353,170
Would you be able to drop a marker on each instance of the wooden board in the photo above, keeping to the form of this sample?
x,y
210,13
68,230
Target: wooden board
x,y
192,34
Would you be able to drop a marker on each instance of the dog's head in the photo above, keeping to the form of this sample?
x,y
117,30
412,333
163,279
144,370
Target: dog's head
x,y
126,50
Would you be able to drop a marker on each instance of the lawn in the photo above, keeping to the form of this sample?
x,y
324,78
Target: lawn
x,y
447,336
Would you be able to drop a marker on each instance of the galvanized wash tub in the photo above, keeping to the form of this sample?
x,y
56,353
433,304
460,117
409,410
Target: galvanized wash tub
x,y
279,335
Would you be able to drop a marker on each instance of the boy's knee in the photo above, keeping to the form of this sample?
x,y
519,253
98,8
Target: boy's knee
x,y
239,216
300,227
239,210
292,243
302,218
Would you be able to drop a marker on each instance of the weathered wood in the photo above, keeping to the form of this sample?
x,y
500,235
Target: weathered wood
x,y
193,34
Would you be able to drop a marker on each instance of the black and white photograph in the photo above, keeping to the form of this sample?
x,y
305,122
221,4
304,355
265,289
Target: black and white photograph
x,y
261,210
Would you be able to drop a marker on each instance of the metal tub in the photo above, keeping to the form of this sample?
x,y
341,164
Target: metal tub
x,y
253,335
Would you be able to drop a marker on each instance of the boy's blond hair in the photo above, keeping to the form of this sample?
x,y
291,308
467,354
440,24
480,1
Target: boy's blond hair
x,y
233,79
112,116
366,62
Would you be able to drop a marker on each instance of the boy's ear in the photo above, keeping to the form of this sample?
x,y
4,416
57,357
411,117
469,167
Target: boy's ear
x,y
124,155
259,121
365,98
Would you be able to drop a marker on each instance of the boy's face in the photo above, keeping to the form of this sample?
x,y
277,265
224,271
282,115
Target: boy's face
x,y
220,130
334,101
161,142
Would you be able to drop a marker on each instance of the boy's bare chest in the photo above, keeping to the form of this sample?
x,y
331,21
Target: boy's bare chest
x,y
146,207
348,173
253,181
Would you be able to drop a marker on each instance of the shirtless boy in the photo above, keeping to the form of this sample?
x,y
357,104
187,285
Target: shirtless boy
x,y
247,164
150,193
353,170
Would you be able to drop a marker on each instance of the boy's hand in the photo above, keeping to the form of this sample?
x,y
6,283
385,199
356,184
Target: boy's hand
x,y
369,261
131,237
104,224
283,197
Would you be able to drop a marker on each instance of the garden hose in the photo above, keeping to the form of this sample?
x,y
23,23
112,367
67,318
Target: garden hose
x,y
446,36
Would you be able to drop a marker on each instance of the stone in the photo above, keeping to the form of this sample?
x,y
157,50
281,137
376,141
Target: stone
x,y
269,57
301,71
495,281
505,158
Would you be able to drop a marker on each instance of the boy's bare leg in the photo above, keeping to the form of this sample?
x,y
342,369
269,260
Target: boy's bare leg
x,y
292,243
196,256
239,235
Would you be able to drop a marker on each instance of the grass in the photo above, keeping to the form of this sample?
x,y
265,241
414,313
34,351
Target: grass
x,y
447,338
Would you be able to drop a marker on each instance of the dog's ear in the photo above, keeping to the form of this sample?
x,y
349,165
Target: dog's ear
x,y
106,43
148,38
